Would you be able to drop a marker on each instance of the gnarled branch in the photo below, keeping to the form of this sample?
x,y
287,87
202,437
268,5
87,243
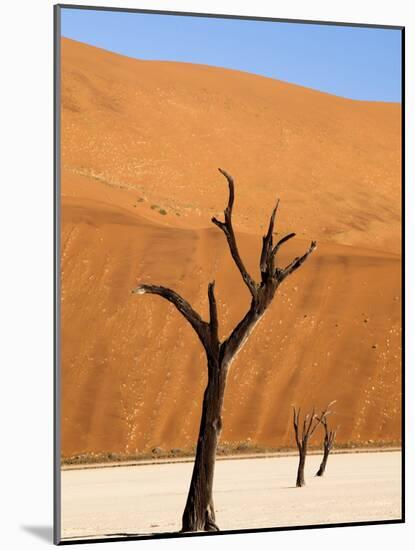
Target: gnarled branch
x,y
281,242
200,326
227,228
281,274
309,425
267,259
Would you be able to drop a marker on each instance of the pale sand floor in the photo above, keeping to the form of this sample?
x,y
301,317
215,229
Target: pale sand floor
x,y
249,494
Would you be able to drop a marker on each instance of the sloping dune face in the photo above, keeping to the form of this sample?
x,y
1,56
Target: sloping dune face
x,y
141,141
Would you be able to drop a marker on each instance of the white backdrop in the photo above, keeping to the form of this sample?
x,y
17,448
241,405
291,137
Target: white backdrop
x,y
26,306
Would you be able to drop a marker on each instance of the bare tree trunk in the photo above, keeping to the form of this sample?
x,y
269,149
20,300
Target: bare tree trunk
x,y
323,464
199,513
329,437
300,472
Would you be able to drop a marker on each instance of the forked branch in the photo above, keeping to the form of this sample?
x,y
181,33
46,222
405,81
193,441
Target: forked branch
x,y
296,263
281,242
262,293
310,423
227,228
267,260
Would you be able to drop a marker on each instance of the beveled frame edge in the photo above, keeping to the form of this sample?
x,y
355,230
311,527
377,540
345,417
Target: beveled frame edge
x,y
57,276
57,234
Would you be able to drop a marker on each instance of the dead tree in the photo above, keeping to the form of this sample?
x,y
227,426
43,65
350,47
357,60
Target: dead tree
x,y
329,437
302,437
199,513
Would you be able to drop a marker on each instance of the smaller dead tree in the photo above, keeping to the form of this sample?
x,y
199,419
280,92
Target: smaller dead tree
x,y
303,435
329,437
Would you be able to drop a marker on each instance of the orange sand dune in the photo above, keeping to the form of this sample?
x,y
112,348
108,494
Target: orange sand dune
x,y
140,144
161,128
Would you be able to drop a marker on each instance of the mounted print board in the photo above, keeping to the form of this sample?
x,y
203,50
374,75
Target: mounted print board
x,y
229,197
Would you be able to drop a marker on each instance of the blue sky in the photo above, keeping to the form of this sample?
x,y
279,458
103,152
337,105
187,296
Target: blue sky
x,y
353,62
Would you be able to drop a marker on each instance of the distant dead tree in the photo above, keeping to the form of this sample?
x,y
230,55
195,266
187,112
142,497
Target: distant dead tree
x,y
303,435
329,437
199,514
